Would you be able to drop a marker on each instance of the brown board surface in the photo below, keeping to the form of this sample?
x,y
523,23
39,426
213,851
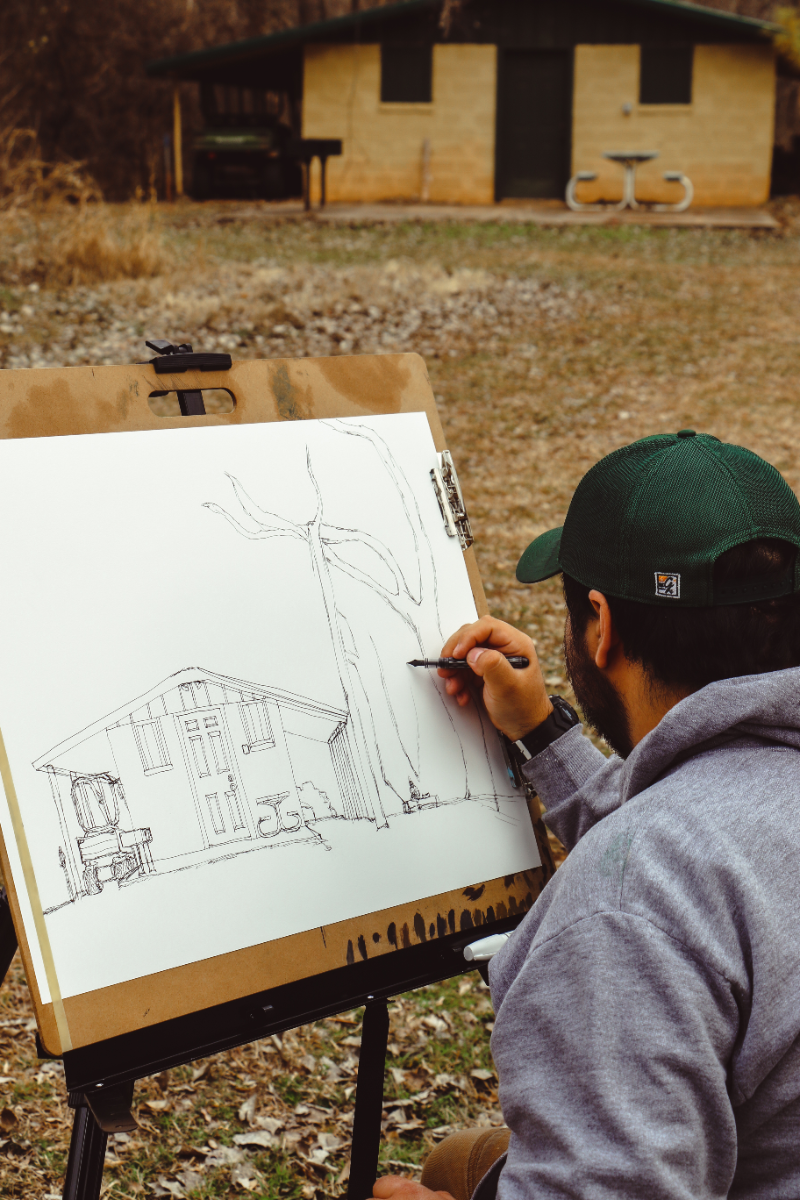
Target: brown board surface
x,y
108,399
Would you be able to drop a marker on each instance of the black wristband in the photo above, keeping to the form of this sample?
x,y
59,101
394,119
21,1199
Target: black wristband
x,y
562,718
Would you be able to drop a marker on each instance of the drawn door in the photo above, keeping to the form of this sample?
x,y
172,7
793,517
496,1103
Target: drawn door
x,y
214,775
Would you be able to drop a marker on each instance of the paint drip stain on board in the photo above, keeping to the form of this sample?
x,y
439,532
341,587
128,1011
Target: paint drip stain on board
x,y
467,919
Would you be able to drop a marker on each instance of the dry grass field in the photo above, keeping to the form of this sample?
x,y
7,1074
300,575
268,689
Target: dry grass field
x,y
546,349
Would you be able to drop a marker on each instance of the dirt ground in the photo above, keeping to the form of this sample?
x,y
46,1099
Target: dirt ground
x,y
546,350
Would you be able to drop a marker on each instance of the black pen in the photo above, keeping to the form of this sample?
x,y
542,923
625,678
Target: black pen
x,y
517,661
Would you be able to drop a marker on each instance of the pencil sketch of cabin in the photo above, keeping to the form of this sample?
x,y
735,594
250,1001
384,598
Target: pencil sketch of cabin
x,y
201,767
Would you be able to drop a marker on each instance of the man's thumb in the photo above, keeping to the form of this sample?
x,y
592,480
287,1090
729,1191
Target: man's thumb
x,y
487,663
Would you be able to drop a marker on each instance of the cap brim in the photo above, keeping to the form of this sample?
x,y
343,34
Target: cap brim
x,y
540,560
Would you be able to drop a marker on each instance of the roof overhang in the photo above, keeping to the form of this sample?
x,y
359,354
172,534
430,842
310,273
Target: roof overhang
x,y
360,25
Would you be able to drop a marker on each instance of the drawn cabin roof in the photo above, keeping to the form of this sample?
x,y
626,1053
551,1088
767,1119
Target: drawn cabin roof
x,y
195,688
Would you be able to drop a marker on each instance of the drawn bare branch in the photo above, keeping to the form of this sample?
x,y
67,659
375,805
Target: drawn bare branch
x,y
404,589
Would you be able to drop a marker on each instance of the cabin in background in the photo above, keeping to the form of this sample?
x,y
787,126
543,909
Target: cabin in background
x,y
488,100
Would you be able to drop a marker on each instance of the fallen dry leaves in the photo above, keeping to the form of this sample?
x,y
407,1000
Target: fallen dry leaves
x,y
546,350
273,1119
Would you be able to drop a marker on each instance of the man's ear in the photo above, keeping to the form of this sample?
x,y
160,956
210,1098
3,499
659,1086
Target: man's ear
x,y
606,638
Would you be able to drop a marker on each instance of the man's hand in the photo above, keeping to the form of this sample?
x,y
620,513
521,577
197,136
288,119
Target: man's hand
x,y
516,701
395,1187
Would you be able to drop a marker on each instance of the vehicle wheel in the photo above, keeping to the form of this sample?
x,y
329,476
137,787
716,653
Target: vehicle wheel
x,y
272,179
91,880
201,179
292,179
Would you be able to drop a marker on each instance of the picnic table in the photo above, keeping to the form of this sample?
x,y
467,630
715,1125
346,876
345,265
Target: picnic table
x,y
629,160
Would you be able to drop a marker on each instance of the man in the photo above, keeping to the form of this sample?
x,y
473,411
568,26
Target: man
x,y
647,1032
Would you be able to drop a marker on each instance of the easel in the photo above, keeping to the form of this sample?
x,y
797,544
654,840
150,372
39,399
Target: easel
x,y
109,1110
100,1076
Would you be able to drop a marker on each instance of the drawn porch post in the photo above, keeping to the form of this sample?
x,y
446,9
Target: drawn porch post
x,y
74,877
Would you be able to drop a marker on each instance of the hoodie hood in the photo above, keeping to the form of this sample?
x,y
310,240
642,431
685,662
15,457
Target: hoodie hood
x,y
766,707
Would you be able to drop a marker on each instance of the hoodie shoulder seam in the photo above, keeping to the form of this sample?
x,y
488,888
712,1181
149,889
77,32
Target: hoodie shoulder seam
x,y
639,919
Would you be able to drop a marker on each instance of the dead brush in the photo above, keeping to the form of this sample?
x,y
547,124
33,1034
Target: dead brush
x,y
98,244
56,230
94,243
26,180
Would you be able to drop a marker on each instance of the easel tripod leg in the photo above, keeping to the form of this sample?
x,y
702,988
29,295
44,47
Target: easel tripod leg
x,y
87,1151
87,1148
369,1101
8,938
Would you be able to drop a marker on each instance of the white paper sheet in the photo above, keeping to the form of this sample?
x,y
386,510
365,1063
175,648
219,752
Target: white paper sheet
x,y
213,734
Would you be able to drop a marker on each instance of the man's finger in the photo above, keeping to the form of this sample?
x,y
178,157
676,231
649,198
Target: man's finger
x,y
401,1188
490,664
466,634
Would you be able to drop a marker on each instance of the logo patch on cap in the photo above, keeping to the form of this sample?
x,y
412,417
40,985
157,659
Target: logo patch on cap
x,y
668,584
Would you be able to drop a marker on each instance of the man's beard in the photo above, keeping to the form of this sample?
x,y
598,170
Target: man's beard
x,y
599,700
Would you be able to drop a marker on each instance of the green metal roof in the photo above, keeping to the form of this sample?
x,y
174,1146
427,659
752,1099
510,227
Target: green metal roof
x,y
185,65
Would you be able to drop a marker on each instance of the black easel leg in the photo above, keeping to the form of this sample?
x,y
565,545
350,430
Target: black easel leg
x,y
8,938
369,1101
87,1151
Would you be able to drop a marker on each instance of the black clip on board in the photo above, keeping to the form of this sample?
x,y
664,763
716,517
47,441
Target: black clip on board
x,y
100,1078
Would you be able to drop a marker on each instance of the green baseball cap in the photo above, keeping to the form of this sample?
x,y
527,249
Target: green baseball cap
x,y
649,521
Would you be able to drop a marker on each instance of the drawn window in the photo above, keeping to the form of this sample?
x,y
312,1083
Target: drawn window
x,y
218,750
255,719
665,74
192,726
406,74
199,755
152,746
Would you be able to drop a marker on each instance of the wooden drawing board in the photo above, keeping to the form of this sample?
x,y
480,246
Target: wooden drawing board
x,y
103,399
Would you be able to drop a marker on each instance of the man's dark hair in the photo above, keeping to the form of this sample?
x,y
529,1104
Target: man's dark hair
x,y
690,647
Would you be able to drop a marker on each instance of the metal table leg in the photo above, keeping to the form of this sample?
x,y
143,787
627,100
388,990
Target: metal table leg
x,y
629,188
323,166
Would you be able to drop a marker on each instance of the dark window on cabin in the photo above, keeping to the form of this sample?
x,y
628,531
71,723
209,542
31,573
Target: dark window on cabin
x,y
665,75
406,74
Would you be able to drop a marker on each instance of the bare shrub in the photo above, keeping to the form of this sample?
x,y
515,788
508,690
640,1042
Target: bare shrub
x,y
26,179
94,243
95,247
56,229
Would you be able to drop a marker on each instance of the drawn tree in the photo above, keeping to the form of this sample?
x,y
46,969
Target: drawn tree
x,y
403,592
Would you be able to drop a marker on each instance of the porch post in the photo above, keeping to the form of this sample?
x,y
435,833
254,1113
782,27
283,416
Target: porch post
x,y
177,144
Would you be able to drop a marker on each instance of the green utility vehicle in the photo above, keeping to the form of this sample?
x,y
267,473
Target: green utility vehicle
x,y
243,151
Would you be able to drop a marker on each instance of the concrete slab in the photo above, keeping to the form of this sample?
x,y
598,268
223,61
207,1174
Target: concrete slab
x,y
544,213
534,212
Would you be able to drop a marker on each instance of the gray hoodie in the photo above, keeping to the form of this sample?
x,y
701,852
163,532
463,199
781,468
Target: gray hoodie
x,y
647,1032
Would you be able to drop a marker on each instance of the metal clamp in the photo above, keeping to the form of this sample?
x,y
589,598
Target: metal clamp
x,y
176,360
451,500
110,1106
